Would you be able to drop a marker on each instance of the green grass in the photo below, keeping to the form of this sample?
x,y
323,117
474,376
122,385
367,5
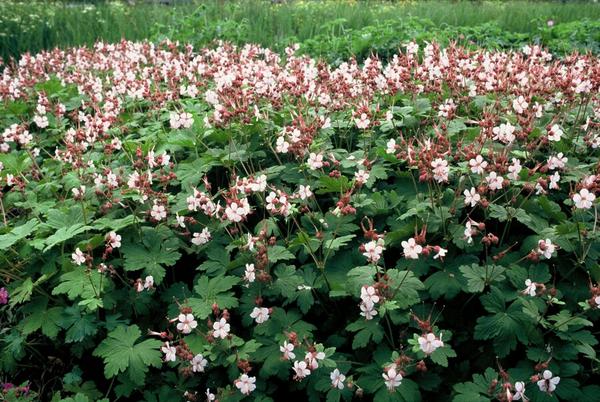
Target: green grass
x,y
33,26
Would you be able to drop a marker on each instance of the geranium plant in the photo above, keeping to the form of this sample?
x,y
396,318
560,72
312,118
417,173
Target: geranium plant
x,y
233,223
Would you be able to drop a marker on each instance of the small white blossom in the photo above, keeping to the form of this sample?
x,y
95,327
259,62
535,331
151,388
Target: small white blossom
x,y
337,379
199,363
301,370
429,343
170,352
548,382
221,329
245,384
260,314
186,323
288,350
530,288
471,197
411,249
78,257
392,378
584,199
202,237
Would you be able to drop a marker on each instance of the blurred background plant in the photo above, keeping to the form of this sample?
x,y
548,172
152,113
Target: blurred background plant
x,y
330,29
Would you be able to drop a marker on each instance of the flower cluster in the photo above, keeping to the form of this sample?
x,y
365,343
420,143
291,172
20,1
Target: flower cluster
x,y
231,203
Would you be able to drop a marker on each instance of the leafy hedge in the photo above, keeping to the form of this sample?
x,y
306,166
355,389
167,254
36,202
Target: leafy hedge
x,y
230,224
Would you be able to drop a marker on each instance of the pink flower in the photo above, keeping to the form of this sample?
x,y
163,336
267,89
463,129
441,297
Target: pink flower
x,y
584,199
301,370
288,350
411,249
221,329
260,314
170,352
186,323
337,379
246,384
429,343
392,378
78,257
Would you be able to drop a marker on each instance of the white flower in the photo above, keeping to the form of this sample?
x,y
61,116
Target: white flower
x,y
554,179
114,239
441,253
282,146
411,249
373,250
519,391
469,231
548,383
368,295
249,274
391,147
209,395
392,378
245,384
584,199
158,212
471,197
557,162
180,220
186,120
315,161
260,314
440,170
304,192
367,310
494,181
429,343
520,104
186,323
288,350
546,248
514,169
236,211
199,363
170,352
337,379
363,122
478,165
301,370
221,329
504,133
148,282
361,176
530,288
78,192
78,257
555,133
202,237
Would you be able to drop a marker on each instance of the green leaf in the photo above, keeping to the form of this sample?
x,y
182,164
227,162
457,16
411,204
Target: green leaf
x,y
122,352
157,250
279,253
213,291
18,233
366,331
65,233
479,277
81,283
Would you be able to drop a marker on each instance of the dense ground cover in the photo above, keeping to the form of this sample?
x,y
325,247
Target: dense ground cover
x,y
236,223
331,29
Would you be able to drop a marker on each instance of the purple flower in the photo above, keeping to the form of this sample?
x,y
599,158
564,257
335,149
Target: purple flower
x,y
3,296
7,385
